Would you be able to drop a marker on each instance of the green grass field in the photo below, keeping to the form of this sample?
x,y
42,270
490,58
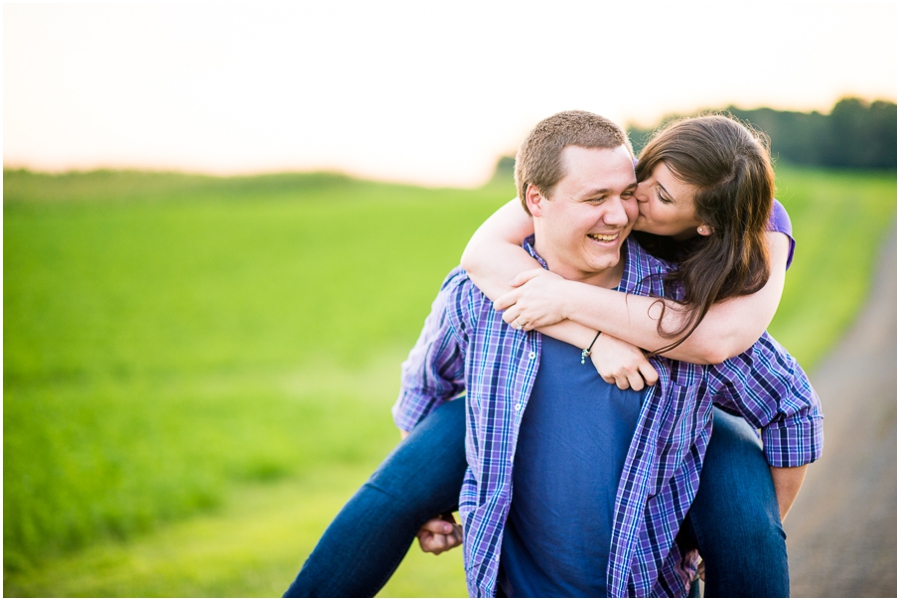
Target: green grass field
x,y
198,371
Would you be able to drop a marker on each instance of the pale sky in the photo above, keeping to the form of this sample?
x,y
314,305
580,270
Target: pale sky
x,y
403,90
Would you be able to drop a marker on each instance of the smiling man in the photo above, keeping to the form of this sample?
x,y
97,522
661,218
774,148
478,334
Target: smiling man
x,y
582,221
575,487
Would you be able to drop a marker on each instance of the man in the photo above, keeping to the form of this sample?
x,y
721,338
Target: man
x,y
603,477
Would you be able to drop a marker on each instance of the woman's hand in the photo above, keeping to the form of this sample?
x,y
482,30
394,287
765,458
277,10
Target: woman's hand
x,y
622,364
537,301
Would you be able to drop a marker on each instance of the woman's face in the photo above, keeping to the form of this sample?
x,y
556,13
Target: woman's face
x,y
666,205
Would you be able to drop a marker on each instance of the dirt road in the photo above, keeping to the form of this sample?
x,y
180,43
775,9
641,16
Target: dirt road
x,y
842,531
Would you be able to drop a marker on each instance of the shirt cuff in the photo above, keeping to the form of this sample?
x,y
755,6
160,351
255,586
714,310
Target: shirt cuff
x,y
794,443
411,408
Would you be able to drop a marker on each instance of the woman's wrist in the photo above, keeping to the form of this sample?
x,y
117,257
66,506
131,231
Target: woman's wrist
x,y
584,304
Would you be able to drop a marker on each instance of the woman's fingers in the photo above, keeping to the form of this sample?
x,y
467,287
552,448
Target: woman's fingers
x,y
535,302
635,377
507,300
635,380
511,315
649,373
527,318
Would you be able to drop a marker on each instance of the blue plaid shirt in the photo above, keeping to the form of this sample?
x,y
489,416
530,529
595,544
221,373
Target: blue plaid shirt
x,y
466,346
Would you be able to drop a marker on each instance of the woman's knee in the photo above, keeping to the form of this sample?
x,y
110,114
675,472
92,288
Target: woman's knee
x,y
427,468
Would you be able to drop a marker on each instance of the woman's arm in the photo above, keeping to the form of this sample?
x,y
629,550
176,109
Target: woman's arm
x,y
728,329
500,237
494,255
787,481
493,258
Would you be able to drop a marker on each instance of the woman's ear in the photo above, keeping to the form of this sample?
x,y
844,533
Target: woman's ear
x,y
534,200
704,230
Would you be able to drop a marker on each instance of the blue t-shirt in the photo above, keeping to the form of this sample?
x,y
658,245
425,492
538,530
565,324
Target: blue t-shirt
x,y
574,437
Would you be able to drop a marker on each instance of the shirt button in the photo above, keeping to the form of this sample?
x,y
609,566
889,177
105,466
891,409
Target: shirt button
x,y
518,406
532,355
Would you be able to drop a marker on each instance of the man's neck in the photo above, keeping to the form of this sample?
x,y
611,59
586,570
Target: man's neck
x,y
607,278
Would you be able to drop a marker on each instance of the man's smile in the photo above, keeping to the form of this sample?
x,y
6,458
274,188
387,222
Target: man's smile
x,y
604,237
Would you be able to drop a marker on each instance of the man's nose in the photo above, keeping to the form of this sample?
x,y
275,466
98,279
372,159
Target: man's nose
x,y
616,213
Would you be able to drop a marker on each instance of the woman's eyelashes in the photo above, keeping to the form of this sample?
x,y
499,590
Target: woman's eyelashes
x,y
662,198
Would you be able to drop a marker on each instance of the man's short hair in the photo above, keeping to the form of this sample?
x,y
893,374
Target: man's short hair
x,y
539,160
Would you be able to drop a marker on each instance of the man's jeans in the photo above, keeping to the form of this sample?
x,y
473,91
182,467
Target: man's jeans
x,y
734,519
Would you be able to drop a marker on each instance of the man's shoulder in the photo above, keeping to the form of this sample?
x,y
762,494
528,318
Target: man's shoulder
x,y
458,281
645,274
460,295
644,261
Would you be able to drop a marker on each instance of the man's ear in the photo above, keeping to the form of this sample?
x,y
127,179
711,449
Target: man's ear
x,y
534,200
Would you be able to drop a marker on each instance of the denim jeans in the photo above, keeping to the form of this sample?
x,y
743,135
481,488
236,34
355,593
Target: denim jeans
x,y
368,539
734,520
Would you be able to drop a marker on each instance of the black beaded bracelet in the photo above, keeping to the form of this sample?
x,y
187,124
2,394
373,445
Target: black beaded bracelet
x,y
587,352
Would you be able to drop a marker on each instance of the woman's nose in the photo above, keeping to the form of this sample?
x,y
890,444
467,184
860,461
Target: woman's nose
x,y
640,193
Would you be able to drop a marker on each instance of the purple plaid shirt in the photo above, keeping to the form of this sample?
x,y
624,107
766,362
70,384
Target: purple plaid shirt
x,y
466,346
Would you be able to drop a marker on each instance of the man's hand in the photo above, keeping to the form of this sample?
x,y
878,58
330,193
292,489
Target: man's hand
x,y
622,364
536,302
439,535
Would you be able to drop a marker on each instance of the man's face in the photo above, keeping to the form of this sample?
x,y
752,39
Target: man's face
x,y
580,228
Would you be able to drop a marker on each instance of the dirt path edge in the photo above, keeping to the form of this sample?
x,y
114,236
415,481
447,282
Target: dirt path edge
x,y
842,531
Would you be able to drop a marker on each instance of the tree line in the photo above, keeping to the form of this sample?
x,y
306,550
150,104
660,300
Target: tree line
x,y
855,135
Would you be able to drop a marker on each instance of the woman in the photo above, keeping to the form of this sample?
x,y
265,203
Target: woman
x,y
708,176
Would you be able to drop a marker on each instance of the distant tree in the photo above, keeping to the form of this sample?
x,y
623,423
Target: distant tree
x,y
856,135
796,137
505,170
881,133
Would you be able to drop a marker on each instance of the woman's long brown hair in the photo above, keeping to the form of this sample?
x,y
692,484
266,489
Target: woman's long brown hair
x,y
730,166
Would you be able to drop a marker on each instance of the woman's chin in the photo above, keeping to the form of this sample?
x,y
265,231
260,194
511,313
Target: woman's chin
x,y
648,228
658,230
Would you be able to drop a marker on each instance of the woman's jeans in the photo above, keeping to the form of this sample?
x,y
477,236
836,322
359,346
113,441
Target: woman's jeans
x,y
368,539
734,520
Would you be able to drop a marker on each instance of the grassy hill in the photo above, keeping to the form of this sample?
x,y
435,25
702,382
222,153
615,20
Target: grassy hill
x,y
198,371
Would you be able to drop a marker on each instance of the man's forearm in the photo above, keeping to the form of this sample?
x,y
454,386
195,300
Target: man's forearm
x,y
788,481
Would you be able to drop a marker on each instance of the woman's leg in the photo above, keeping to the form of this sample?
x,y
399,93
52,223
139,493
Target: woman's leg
x,y
368,539
735,517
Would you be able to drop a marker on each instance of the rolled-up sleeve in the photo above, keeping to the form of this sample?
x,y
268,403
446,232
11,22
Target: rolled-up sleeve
x,y
434,371
793,442
769,388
